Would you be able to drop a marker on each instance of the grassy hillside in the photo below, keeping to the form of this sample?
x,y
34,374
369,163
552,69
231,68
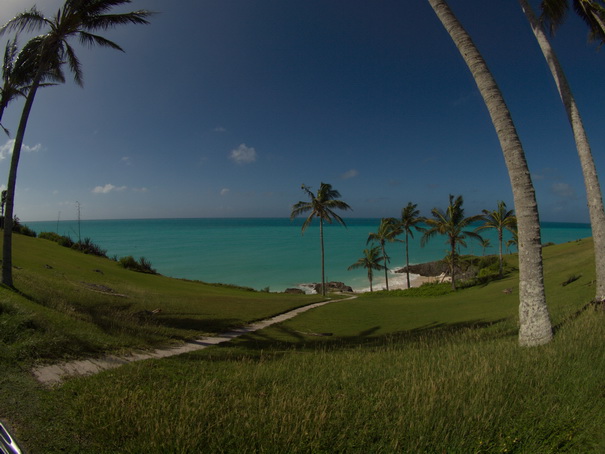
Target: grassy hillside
x,y
383,373
71,304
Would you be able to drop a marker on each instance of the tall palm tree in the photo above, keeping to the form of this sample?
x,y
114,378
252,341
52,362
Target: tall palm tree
x,y
410,219
387,231
371,261
535,327
593,15
500,220
77,19
322,206
452,224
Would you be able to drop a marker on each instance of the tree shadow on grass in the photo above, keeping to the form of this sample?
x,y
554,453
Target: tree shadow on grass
x,y
210,325
269,341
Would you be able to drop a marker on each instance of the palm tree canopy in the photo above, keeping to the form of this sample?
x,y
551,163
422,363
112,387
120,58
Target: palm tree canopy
x,y
371,260
321,205
592,12
387,231
500,219
451,223
78,18
410,218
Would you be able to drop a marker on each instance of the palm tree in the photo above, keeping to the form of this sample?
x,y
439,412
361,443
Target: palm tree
x,y
534,320
514,240
18,70
387,231
322,206
485,243
501,219
410,219
593,15
11,86
79,19
371,261
451,223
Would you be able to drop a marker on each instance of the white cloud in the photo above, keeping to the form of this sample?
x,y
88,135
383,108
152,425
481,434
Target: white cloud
x,y
349,174
243,154
7,148
139,189
126,160
107,189
220,129
224,191
563,190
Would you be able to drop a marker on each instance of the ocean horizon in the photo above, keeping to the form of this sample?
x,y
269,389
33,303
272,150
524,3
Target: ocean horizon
x,y
268,253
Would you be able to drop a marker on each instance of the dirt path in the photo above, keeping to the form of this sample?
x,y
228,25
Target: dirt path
x,y
54,374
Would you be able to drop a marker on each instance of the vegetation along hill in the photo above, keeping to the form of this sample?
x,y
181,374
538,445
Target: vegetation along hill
x,y
426,370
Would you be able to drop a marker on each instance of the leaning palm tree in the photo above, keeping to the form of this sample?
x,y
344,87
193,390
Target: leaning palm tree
x,y
593,15
452,224
322,206
77,19
410,219
500,220
535,327
387,231
371,261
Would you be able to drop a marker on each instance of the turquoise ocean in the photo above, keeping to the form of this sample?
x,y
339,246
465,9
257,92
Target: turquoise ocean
x,y
261,253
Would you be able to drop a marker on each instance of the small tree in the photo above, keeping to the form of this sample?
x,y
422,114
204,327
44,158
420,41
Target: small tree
x,y
371,261
500,220
452,224
387,231
322,206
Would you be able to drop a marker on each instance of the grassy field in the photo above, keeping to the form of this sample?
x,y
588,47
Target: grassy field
x,y
385,372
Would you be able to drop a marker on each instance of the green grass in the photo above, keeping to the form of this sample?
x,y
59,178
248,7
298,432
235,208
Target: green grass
x,y
398,373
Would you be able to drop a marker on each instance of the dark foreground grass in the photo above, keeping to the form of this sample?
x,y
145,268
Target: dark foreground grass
x,y
382,373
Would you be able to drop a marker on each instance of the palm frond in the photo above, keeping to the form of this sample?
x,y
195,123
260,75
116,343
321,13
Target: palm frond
x,y
74,64
90,40
107,21
553,13
28,21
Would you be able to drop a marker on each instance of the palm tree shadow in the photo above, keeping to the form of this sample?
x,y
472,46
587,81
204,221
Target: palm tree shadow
x,y
282,338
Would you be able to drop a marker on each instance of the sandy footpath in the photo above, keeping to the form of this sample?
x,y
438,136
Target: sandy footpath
x,y
56,373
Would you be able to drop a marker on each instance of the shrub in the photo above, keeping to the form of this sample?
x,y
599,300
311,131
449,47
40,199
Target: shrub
x,y
22,229
142,266
64,241
88,247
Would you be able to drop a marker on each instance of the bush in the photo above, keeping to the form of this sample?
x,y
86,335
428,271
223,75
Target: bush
x,y
142,266
22,229
64,241
88,247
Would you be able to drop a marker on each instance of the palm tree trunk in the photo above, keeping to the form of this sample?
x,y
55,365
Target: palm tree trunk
x,y
452,265
500,252
7,246
321,239
386,268
407,259
535,326
591,179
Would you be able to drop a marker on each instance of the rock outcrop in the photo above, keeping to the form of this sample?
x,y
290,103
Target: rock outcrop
x,y
333,287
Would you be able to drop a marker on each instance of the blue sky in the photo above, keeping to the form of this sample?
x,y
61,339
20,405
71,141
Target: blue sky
x,y
223,108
